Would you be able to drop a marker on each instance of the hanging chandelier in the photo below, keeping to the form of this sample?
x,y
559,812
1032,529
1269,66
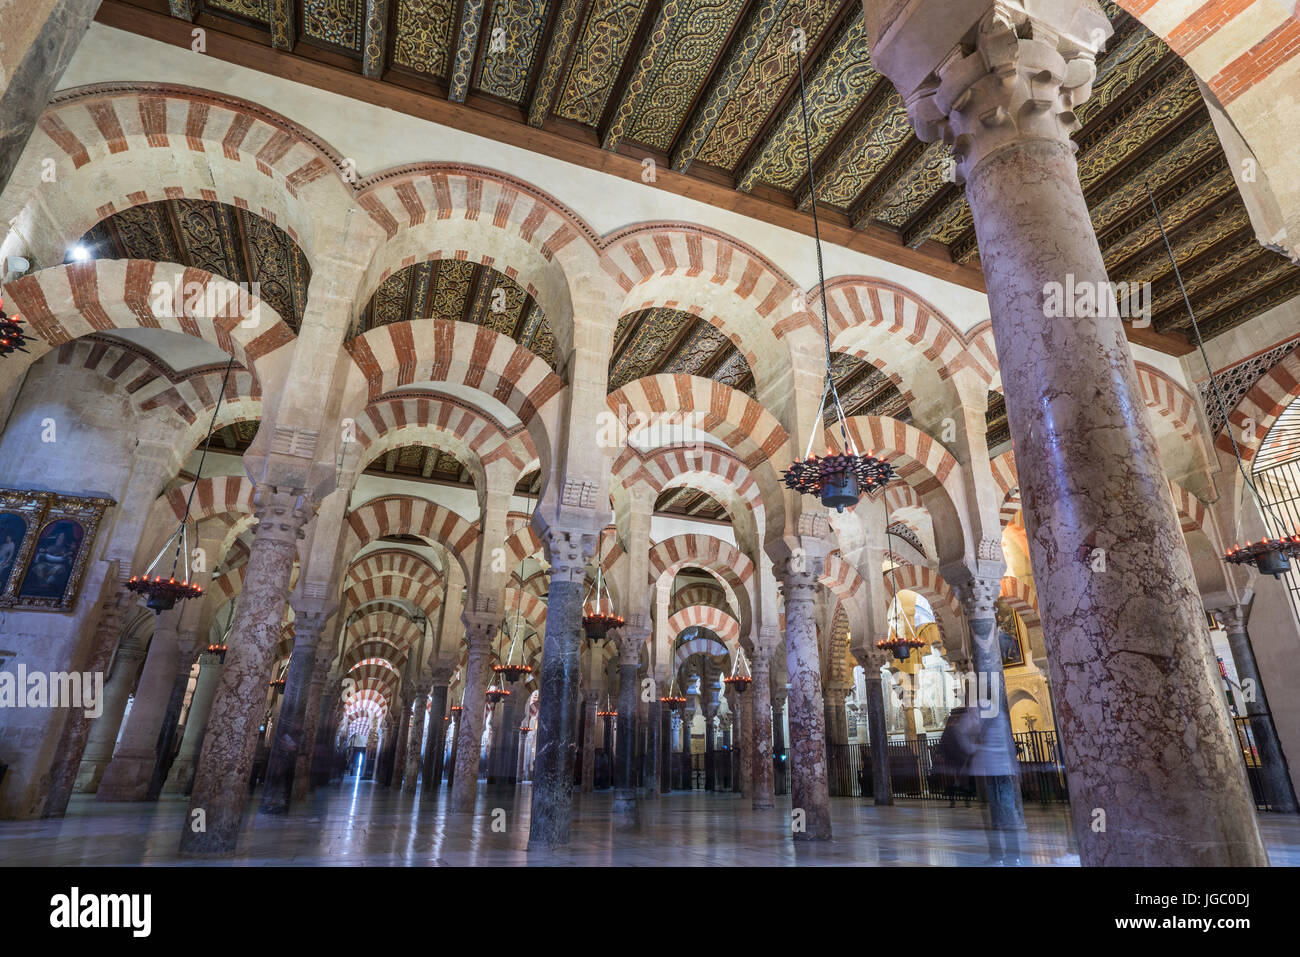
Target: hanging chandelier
x,y
902,639
497,690
1270,556
12,335
673,699
278,684
839,479
740,678
609,711
162,594
598,615
511,670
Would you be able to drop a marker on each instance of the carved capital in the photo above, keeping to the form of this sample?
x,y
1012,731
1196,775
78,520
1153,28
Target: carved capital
x,y
979,596
480,627
630,641
282,513
568,551
1233,617
1016,76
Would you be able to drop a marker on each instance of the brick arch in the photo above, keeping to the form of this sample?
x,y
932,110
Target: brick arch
x,y
1008,482
63,303
701,646
707,616
395,628
923,463
459,354
1261,405
725,562
457,211
902,335
843,581
473,436
747,429
1024,600
407,515
376,673
930,585
713,276
368,702
179,143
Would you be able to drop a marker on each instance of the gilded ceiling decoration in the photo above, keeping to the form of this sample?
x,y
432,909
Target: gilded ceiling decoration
x,y
460,291
604,40
656,341
223,240
710,87
696,504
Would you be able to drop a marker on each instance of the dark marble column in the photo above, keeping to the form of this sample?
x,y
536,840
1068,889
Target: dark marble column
x,y
761,741
221,783
436,750
881,784
31,76
552,802
1143,726
479,629
507,744
665,778
453,758
744,740
588,741
710,755
181,775
309,622
1275,775
630,642
809,787
688,723
171,719
650,783
304,776
417,711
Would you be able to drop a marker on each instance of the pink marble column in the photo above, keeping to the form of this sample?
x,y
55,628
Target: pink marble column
x,y
479,629
809,786
416,736
762,775
1154,774
226,760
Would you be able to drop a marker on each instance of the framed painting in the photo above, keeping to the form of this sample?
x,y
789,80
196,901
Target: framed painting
x,y
58,533
1009,635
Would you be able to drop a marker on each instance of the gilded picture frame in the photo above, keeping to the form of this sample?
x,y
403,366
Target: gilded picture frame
x,y
45,570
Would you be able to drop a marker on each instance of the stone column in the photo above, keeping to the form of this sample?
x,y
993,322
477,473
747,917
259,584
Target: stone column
x,y
744,741
305,772
129,773
403,738
221,782
479,629
104,732
415,759
650,782
809,789
455,746
521,763
508,739
630,641
435,751
881,785
664,782
1144,729
568,553
688,724
181,776
760,736
1275,775
172,716
589,741
308,623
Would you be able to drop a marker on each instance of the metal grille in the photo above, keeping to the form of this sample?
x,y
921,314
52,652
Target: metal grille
x,y
1277,479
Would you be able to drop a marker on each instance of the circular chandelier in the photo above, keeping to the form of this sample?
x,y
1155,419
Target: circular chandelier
x,y
511,670
598,615
839,479
609,711
497,690
902,640
673,698
740,678
1269,556
219,650
12,335
162,594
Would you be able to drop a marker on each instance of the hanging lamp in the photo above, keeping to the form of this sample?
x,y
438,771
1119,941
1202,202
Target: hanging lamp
x,y
609,711
598,615
497,690
898,643
161,594
12,335
1270,556
673,699
219,648
839,479
510,669
740,678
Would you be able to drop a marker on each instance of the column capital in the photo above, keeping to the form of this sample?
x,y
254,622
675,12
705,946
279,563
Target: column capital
x,y
630,641
569,550
282,513
480,626
1233,616
440,676
981,75
978,595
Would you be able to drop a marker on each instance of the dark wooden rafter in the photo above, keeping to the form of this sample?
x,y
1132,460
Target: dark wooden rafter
x,y
559,48
284,24
656,23
464,51
374,45
185,9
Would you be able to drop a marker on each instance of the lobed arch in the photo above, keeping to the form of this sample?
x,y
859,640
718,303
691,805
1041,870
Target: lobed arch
x,y
457,211
117,145
408,515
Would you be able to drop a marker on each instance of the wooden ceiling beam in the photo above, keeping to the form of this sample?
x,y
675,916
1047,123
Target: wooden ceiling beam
x,y
655,29
375,45
558,47
284,26
466,49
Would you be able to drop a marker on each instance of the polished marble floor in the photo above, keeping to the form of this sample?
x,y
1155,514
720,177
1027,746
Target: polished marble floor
x,y
357,823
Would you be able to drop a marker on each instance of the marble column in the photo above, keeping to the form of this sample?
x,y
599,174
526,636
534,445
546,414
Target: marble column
x,y
453,758
171,718
436,750
588,741
809,788
479,629
181,775
104,732
521,759
129,773
226,760
416,733
881,785
710,754
664,781
403,739
688,724
507,744
568,553
650,783
305,774
761,742
1143,725
308,623
744,740
630,641
1275,776
41,37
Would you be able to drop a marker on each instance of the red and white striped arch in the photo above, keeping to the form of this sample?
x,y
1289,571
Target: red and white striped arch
x,y
929,584
706,616
407,515
1261,405
1024,600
